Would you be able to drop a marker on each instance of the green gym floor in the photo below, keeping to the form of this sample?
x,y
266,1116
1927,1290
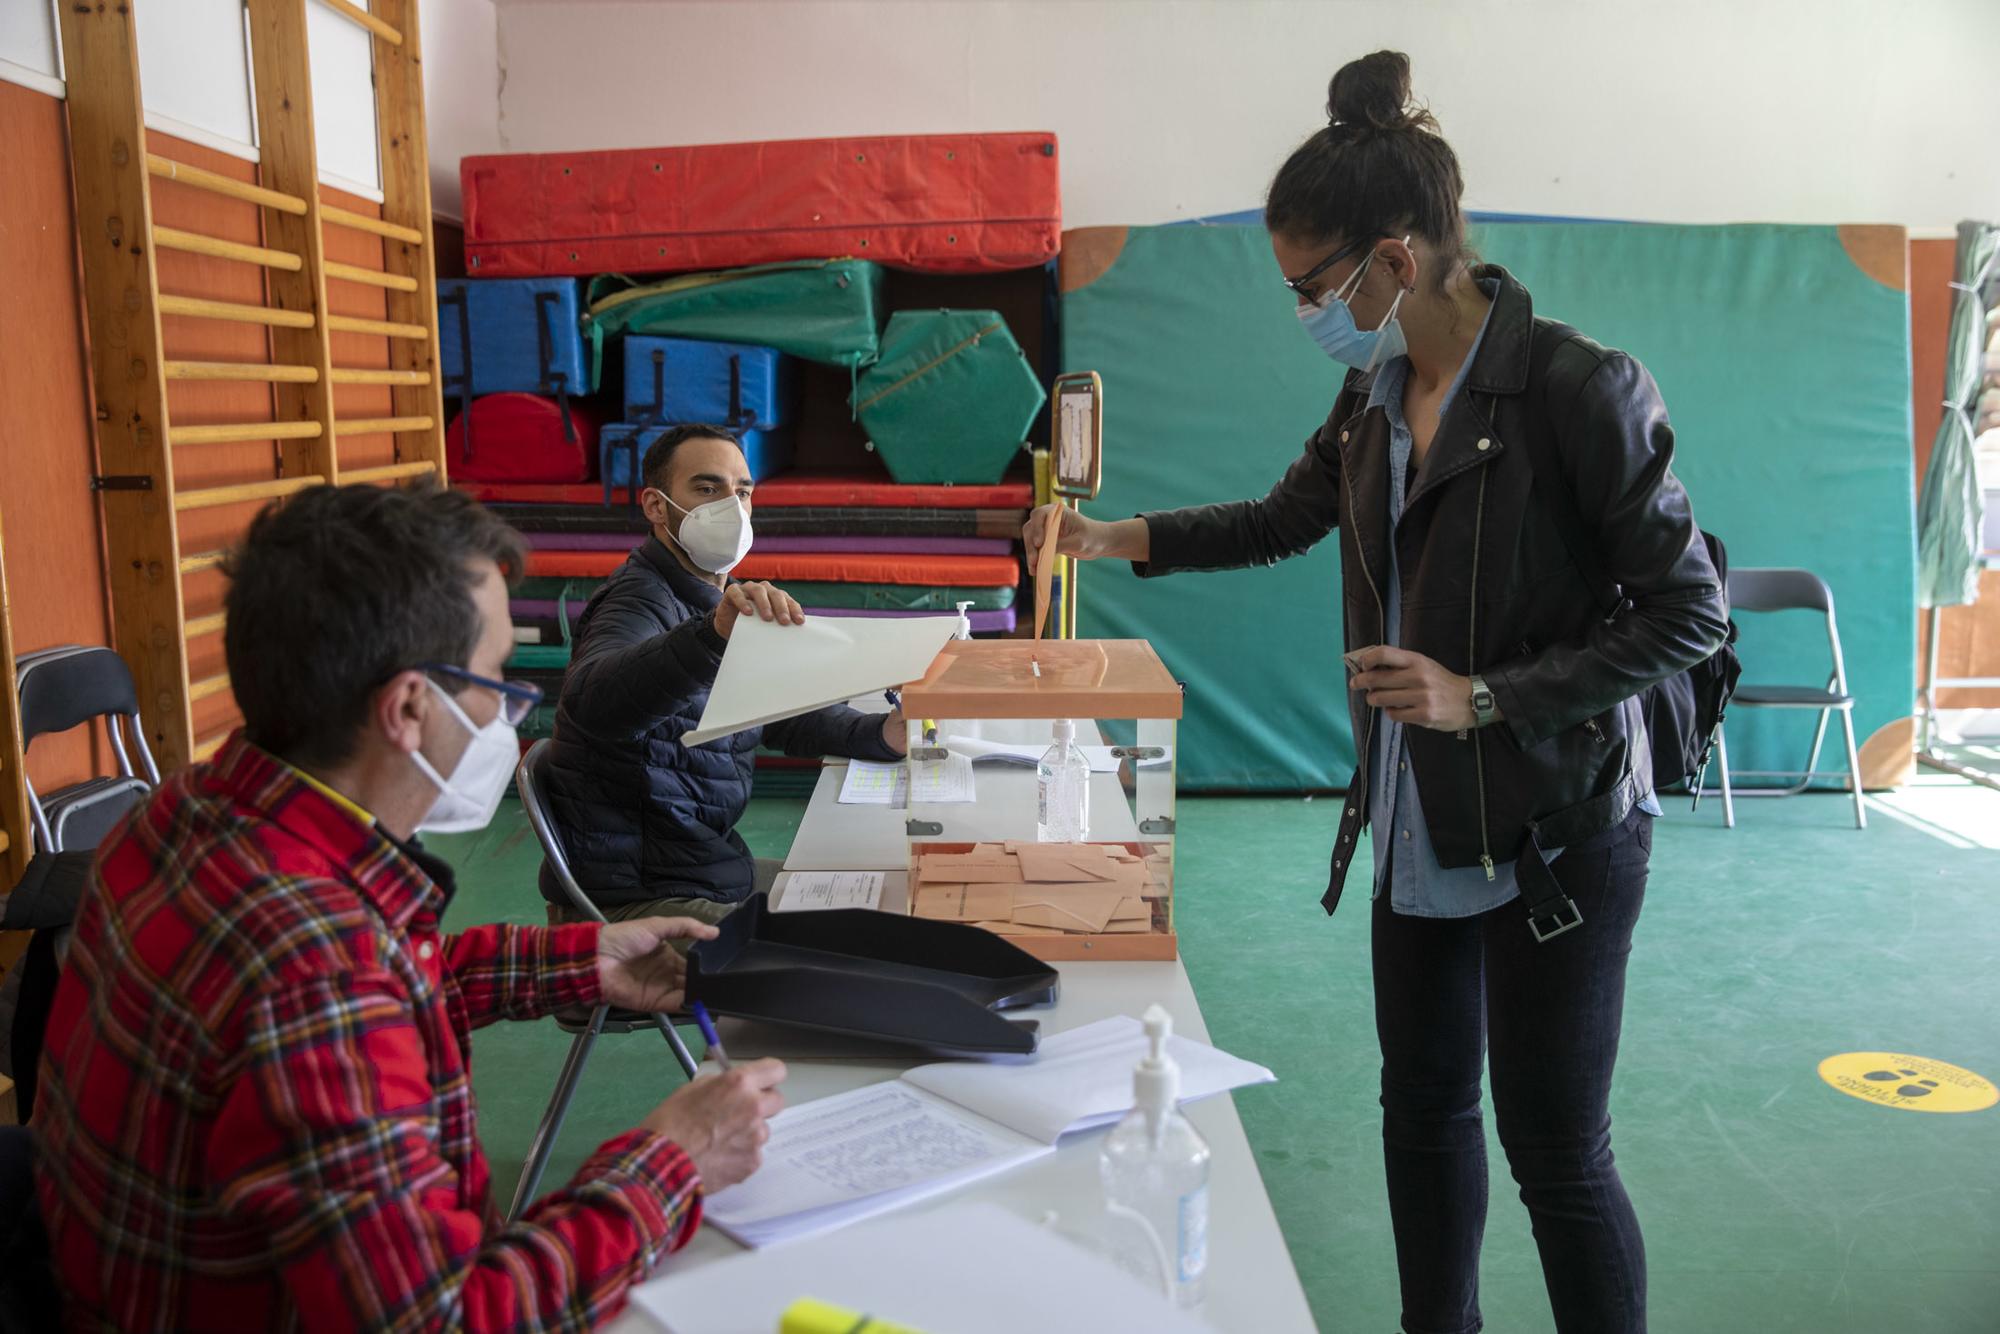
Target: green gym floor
x,y
1769,1200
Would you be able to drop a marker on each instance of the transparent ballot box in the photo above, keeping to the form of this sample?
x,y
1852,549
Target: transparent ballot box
x,y
985,848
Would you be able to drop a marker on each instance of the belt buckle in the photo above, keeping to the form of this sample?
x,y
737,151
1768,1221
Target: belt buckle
x,y
1564,916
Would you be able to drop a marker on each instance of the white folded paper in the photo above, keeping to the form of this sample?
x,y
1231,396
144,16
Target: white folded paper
x,y
771,672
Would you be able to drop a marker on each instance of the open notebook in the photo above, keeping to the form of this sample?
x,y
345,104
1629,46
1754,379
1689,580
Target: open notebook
x,y
938,1127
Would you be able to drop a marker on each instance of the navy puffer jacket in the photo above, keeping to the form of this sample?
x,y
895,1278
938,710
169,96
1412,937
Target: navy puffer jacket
x,y
642,816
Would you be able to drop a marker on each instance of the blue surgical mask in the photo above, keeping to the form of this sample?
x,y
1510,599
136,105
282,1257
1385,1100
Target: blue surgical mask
x,y
1330,321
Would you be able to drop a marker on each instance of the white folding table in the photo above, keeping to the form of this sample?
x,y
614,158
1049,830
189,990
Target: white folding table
x,y
1251,1282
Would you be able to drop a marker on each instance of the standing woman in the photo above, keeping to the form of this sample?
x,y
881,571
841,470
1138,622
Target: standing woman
x,y
1505,769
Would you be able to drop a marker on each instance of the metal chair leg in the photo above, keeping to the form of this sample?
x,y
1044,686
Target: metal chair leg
x,y
1728,798
1806,774
1854,769
1819,744
681,1053
552,1117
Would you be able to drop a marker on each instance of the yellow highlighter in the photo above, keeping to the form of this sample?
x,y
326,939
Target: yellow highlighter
x,y
807,1316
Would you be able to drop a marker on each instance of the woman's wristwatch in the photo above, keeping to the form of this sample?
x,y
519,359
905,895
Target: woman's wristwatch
x,y
1485,708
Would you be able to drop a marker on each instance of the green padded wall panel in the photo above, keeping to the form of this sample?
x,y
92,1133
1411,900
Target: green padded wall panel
x,y
1785,368
1210,390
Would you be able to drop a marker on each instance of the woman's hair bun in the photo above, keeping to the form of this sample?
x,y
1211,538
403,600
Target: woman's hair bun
x,y
1373,93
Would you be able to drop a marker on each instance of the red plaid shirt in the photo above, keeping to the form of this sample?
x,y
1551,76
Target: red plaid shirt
x,y
256,1102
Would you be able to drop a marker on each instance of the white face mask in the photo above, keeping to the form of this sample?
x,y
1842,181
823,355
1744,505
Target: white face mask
x,y
715,536
466,801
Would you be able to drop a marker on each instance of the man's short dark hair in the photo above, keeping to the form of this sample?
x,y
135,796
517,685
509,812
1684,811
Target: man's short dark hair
x,y
660,453
336,590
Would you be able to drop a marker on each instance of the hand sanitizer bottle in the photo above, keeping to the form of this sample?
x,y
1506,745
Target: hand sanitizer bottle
x,y
1155,1168
964,630
1062,789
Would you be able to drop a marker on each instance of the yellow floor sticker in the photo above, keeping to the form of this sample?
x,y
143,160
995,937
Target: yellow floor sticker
x,y
1913,1083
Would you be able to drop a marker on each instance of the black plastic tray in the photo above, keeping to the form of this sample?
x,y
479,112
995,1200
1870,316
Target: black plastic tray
x,y
937,986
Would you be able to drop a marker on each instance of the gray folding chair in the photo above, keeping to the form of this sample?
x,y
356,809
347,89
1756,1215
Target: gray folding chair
x,y
63,688
72,686
1792,590
528,779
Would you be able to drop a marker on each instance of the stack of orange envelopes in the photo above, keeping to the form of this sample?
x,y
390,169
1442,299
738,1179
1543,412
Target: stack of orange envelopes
x,y
1042,889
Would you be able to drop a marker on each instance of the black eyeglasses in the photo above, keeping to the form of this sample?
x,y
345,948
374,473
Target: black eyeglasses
x,y
517,698
1301,283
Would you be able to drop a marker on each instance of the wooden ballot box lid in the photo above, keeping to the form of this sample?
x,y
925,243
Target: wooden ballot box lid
x,y
1079,678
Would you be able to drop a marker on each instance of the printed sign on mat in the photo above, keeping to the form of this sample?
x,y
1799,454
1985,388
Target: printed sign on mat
x,y
1913,1083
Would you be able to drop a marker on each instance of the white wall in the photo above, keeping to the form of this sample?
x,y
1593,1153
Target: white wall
x,y
1669,110
194,67
461,90
194,73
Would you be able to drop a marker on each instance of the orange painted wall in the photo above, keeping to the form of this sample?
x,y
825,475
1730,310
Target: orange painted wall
x,y
1930,309
54,548
54,555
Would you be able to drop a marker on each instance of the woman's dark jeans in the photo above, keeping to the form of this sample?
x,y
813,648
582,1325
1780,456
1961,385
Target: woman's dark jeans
x,y
1445,992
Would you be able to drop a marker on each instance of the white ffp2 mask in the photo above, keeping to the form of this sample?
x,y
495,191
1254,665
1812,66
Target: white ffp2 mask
x,y
715,536
466,801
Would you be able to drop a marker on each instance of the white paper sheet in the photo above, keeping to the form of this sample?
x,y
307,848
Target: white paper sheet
x,y
870,784
948,781
957,1268
858,1154
1079,1079
942,781
1074,438
770,672
815,891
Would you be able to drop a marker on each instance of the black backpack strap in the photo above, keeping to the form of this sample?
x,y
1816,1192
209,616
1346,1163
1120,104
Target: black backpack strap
x,y
657,409
458,384
630,447
1553,487
553,380
737,421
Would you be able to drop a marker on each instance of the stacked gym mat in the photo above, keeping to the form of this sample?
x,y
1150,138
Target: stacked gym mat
x,y
942,203
887,443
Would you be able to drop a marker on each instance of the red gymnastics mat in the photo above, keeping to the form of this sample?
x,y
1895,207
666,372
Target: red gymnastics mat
x,y
938,203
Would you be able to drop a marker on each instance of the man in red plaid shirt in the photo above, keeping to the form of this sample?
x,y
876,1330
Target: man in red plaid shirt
x,y
256,1107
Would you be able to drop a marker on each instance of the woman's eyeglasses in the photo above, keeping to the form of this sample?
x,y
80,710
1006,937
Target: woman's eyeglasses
x,y
1302,285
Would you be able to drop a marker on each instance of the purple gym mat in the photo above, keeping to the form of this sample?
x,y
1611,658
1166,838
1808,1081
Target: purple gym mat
x,y
987,622
887,546
538,609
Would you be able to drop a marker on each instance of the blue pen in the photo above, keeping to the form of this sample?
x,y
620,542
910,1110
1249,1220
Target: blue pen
x,y
707,1027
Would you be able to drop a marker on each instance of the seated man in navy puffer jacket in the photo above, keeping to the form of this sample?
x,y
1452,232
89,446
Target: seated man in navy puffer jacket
x,y
650,824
